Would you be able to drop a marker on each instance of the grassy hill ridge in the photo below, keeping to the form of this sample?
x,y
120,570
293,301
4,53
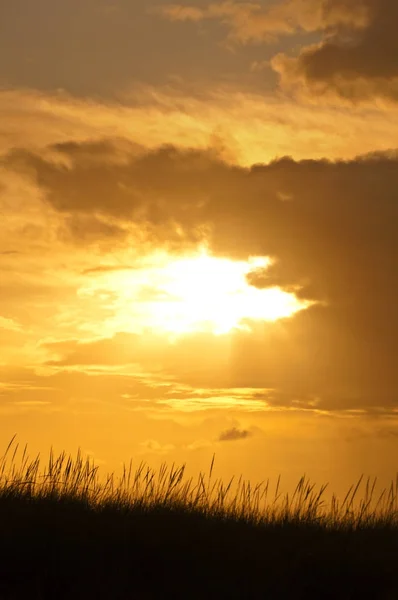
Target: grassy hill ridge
x,y
65,533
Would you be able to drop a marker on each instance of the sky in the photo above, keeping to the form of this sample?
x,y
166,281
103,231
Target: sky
x,y
198,247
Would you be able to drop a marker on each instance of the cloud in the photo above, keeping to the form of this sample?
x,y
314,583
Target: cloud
x,y
356,59
233,434
177,12
249,22
334,242
105,352
155,447
9,324
154,353
107,269
221,117
199,445
356,64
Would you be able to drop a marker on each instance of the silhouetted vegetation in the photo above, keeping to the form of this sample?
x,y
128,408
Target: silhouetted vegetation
x,y
65,533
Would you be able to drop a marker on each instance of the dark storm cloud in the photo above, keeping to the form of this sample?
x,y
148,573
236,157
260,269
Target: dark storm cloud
x,y
334,242
356,63
231,435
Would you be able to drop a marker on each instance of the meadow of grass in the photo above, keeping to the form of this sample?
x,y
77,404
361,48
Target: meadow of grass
x,y
66,532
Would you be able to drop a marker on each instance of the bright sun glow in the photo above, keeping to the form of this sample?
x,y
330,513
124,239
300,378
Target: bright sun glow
x,y
208,293
190,294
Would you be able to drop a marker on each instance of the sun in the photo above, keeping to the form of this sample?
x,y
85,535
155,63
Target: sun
x,y
209,293
194,293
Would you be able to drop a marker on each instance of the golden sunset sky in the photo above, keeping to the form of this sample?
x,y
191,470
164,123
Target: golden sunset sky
x,y
199,233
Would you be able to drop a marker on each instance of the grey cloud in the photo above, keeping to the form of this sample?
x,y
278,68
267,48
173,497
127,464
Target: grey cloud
x,y
233,434
356,64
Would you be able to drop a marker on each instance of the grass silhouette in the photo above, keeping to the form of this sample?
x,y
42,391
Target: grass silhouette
x,y
68,533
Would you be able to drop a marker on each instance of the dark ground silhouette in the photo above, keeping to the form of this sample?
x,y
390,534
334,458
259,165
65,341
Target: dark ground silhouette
x,y
64,535
54,549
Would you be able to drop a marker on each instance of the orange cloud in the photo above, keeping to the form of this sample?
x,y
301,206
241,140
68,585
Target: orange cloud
x,y
242,127
177,12
249,22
